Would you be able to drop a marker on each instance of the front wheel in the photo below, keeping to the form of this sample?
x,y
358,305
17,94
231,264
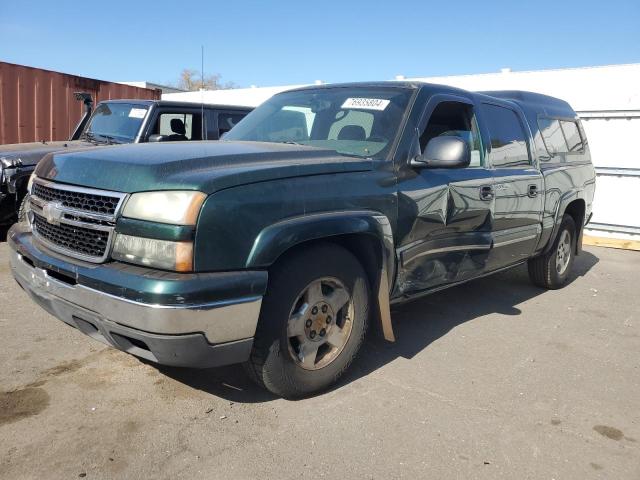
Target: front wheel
x,y
312,323
552,269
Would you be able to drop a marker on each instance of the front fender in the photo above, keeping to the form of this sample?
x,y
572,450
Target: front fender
x,y
276,239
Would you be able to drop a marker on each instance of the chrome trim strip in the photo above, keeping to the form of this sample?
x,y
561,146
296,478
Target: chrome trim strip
x,y
515,240
220,322
77,189
40,203
87,225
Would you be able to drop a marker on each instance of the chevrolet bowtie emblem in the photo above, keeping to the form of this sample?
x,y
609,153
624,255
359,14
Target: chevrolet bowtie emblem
x,y
52,212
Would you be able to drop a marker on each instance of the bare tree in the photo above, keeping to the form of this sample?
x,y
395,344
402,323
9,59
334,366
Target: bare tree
x,y
191,80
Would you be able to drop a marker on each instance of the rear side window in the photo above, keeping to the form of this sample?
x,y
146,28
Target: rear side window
x,y
552,135
560,136
508,138
572,135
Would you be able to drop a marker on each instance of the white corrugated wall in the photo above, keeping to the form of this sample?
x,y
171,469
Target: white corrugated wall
x,y
614,138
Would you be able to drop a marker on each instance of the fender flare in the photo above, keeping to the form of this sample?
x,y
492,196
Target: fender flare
x,y
563,202
276,239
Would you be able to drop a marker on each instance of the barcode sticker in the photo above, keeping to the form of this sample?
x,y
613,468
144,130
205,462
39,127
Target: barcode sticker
x,y
137,112
366,103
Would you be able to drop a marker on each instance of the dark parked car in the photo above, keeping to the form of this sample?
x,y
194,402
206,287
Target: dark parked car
x,y
114,122
281,245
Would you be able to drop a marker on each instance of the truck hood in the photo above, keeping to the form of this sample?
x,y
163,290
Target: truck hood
x,y
203,166
32,153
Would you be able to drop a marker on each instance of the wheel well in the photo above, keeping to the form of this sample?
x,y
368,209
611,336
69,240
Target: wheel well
x,y
576,209
368,251
366,248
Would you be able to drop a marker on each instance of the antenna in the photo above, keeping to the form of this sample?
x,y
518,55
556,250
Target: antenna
x,y
202,121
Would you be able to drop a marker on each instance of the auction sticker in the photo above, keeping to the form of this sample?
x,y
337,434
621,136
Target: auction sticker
x,y
137,112
366,103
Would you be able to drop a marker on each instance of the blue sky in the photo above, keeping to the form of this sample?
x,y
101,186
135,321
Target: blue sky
x,y
288,42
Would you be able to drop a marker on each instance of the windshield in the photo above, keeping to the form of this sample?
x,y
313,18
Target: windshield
x,y
356,121
115,122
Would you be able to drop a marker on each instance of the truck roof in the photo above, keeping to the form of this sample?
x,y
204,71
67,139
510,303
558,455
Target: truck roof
x,y
530,102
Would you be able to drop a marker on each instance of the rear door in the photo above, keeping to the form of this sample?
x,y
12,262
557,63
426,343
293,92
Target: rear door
x,y
518,185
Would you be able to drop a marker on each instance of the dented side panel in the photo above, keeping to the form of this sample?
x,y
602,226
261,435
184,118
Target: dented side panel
x,y
446,234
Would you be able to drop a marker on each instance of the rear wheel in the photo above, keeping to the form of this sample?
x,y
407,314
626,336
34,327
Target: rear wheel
x,y
312,323
552,269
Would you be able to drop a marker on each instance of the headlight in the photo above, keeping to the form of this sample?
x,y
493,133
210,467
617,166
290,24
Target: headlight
x,y
163,254
30,183
172,206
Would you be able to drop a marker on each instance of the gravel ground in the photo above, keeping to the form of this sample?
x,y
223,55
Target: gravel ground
x,y
493,379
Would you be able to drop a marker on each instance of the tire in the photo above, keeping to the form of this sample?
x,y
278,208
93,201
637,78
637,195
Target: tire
x,y
552,269
277,361
24,208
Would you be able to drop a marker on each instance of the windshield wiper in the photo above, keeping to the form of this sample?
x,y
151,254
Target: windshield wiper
x,y
110,140
90,137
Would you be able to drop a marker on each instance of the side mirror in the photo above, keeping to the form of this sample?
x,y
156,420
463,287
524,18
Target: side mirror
x,y
444,152
157,138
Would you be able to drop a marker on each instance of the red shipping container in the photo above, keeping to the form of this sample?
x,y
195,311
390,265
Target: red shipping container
x,y
37,104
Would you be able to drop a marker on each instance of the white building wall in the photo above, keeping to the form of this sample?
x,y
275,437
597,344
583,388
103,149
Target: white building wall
x,y
245,97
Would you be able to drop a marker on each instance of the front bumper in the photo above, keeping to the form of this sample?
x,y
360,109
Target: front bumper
x,y
178,332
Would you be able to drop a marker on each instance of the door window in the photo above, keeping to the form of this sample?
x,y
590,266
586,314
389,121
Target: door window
x,y
455,119
508,139
179,126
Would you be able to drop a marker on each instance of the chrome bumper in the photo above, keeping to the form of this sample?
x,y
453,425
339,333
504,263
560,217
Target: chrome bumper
x,y
220,322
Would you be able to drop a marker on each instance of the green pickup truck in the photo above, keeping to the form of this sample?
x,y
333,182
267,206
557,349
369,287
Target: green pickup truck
x,y
280,246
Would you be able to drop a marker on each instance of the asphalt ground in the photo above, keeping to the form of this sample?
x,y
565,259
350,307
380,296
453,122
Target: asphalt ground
x,y
492,379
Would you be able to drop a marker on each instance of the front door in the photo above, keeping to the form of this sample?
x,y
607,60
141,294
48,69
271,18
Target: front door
x,y
445,215
518,186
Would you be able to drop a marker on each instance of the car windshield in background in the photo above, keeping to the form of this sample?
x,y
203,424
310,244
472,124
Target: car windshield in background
x,y
115,122
350,120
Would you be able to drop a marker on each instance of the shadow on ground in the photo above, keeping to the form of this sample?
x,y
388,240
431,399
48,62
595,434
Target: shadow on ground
x,y
4,229
417,324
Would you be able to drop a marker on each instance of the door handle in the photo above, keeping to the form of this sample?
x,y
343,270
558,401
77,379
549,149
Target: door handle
x,y
486,192
533,191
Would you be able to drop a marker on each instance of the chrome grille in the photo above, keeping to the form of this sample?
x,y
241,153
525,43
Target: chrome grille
x,y
90,202
75,221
